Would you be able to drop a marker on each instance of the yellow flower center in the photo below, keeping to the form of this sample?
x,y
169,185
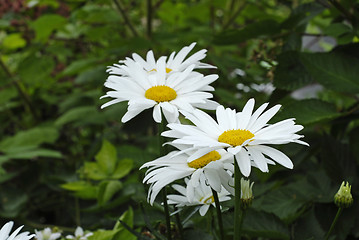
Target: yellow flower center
x,y
204,160
161,93
235,137
208,200
168,70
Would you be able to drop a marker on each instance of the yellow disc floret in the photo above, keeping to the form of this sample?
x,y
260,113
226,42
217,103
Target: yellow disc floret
x,y
161,93
204,160
235,137
168,70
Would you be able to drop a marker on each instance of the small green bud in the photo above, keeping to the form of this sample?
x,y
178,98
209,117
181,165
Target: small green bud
x,y
343,198
246,193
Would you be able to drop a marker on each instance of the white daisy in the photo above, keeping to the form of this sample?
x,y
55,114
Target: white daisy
x,y
47,234
203,196
179,91
174,166
79,234
175,63
5,231
242,134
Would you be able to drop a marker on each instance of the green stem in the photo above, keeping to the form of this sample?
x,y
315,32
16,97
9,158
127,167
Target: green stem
x,y
149,18
333,223
237,202
125,17
219,214
179,224
162,152
25,97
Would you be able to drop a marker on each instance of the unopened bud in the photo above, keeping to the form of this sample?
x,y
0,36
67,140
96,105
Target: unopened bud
x,y
246,193
343,198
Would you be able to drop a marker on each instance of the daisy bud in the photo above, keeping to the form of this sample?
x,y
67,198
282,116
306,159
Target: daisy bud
x,y
343,198
246,194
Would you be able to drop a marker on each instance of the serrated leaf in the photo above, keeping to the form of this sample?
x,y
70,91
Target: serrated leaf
x,y
106,158
309,111
106,191
123,168
290,74
46,24
260,224
258,29
338,72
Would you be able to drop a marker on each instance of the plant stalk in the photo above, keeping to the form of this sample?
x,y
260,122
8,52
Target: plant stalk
x,y
237,202
125,17
333,223
219,214
162,152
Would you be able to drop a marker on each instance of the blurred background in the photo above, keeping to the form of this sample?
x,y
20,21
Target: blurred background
x,y
64,162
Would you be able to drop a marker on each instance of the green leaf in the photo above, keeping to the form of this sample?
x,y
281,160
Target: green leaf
x,y
127,218
103,235
290,74
106,158
35,70
34,153
94,172
12,202
311,225
106,191
75,114
308,111
260,224
82,189
29,139
46,24
123,167
338,72
258,29
78,66
13,41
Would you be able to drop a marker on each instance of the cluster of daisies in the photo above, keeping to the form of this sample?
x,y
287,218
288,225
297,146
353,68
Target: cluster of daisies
x,y
45,234
208,148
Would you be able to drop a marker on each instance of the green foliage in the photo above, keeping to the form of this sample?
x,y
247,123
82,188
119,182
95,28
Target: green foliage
x,y
64,161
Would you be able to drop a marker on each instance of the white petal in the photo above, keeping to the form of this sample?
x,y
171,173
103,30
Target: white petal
x,y
277,156
244,162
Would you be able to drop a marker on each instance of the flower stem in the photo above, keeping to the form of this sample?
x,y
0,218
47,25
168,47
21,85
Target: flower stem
x,y
179,224
219,214
333,223
237,202
162,152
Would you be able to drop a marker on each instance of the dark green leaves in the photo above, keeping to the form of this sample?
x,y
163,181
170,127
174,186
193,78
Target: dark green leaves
x,y
309,111
335,71
46,24
258,29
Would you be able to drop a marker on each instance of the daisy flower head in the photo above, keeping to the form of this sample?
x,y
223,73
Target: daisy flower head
x,y
179,91
47,234
244,134
79,234
5,233
174,63
215,167
203,196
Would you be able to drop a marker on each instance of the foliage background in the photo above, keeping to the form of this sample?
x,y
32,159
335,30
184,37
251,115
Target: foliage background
x,y
65,162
